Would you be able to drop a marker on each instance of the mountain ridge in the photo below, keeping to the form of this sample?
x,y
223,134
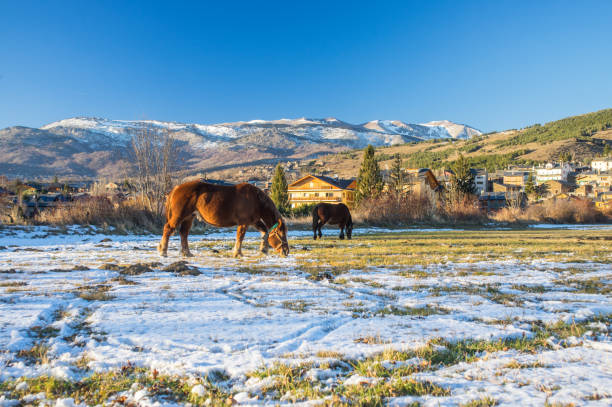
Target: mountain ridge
x,y
95,147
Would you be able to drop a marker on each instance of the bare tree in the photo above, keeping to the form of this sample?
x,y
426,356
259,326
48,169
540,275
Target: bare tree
x,y
156,155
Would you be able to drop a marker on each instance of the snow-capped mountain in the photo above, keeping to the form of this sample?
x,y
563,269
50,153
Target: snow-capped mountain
x,y
377,132
94,146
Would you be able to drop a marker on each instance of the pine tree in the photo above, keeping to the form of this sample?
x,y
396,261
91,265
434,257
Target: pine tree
x,y
607,151
278,191
397,177
565,157
463,179
369,181
530,187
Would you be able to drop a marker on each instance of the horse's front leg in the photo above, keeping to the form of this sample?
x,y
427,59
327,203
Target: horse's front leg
x,y
184,232
264,246
239,237
341,231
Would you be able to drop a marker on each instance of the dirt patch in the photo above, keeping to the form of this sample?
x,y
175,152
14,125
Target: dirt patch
x,y
138,268
112,266
75,268
181,268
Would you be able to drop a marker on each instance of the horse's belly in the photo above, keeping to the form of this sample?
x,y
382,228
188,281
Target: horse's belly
x,y
218,221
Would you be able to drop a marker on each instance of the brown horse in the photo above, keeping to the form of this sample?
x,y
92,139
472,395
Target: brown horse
x,y
219,205
334,214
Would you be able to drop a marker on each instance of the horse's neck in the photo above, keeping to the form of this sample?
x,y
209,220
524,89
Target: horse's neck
x,y
270,217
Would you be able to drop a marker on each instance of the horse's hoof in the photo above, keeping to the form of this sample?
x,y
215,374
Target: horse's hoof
x,y
315,238
163,254
341,237
237,254
187,254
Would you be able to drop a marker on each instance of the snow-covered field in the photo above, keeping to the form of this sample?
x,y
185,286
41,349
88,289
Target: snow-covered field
x,y
70,305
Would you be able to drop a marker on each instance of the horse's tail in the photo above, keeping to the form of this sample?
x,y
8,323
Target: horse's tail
x,y
168,206
315,217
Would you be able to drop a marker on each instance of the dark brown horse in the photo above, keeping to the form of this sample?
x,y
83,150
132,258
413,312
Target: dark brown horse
x,y
219,205
334,214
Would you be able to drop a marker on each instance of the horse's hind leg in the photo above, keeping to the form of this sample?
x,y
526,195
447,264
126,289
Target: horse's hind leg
x,y
319,226
169,229
239,236
314,229
184,232
341,231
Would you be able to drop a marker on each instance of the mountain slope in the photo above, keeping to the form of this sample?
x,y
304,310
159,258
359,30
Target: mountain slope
x,y
583,136
93,147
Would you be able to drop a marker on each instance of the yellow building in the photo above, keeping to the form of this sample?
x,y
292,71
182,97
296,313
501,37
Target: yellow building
x,y
555,187
603,179
518,178
420,180
317,188
604,201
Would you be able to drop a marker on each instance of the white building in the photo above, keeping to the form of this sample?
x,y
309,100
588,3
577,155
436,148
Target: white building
x,y
481,177
601,164
553,172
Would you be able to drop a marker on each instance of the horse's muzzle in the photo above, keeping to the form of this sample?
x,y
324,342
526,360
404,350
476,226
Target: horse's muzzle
x,y
285,251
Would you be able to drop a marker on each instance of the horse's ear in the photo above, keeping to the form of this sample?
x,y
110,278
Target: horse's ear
x,y
280,222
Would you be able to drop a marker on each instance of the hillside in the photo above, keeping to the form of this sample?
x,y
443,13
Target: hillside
x,y
94,147
583,136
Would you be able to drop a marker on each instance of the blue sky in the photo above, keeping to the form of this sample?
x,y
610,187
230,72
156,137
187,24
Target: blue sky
x,y
491,64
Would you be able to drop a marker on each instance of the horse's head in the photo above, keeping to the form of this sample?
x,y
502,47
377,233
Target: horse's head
x,y
277,238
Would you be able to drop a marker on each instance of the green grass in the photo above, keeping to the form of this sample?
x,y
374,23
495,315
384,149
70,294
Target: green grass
x,y
408,249
483,402
99,388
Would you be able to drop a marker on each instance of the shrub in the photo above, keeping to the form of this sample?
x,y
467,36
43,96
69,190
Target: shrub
x,y
128,215
389,209
554,211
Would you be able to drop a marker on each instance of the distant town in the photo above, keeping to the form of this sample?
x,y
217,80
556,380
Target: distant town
x,y
493,190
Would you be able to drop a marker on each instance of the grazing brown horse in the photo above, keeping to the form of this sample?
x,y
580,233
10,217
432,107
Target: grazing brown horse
x,y
334,214
219,205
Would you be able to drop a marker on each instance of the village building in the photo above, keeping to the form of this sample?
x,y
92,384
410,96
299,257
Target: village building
x,y
518,178
584,191
602,164
491,201
421,180
553,172
604,201
554,187
505,188
444,178
600,180
318,188
481,177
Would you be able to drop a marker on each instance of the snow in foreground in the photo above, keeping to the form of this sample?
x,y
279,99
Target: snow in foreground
x,y
224,316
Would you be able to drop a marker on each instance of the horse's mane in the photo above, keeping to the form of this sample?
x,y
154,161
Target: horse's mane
x,y
268,203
